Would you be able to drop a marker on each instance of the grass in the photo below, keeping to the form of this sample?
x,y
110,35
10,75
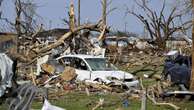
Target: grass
x,y
80,101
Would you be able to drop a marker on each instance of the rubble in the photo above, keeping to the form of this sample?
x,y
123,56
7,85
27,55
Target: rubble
x,y
68,74
55,62
58,83
48,68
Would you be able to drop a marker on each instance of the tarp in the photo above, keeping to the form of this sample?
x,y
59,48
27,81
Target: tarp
x,y
6,73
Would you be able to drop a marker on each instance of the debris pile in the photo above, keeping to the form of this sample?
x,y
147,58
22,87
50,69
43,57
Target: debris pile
x,y
141,58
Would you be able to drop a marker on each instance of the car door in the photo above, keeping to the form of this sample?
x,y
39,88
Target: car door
x,y
82,70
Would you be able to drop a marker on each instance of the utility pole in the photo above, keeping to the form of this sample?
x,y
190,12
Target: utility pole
x,y
78,13
104,6
192,75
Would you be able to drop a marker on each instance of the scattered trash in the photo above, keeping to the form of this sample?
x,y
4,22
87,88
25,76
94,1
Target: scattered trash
x,y
48,106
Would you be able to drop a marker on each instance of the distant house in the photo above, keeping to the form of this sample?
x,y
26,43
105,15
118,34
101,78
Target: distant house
x,y
51,35
176,43
6,41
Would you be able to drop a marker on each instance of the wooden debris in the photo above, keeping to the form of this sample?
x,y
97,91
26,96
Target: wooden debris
x,y
48,68
152,98
33,76
87,91
68,74
98,86
102,34
100,103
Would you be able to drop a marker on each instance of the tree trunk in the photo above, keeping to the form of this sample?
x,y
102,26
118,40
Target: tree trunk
x,y
79,12
161,43
104,11
192,75
18,22
72,16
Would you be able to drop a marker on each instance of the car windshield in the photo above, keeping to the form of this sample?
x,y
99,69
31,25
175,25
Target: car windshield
x,y
100,64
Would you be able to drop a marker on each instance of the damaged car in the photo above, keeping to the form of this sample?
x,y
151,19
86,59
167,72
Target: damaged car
x,y
96,69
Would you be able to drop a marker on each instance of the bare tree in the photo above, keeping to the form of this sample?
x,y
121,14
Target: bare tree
x,y
6,24
29,14
187,5
106,10
184,7
159,26
26,21
18,9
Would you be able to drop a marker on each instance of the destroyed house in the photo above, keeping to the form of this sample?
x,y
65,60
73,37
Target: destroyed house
x,y
51,35
176,43
6,41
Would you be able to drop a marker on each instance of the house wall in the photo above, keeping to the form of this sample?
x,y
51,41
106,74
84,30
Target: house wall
x,y
6,41
176,44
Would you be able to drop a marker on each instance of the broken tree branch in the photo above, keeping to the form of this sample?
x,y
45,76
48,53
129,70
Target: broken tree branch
x,y
93,27
100,103
152,98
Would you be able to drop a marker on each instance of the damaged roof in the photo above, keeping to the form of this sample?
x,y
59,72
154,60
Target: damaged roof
x,y
57,32
6,37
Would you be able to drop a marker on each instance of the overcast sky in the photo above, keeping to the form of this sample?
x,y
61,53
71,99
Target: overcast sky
x,y
53,11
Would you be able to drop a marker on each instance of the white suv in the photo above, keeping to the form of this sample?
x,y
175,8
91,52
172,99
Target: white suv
x,y
97,70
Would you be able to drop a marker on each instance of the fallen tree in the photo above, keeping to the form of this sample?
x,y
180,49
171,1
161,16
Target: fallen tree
x,y
43,50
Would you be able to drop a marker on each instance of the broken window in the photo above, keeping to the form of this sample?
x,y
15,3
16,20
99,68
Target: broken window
x,y
79,64
74,62
66,61
100,64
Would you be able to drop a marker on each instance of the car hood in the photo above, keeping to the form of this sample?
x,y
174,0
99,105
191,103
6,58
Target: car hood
x,y
116,74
